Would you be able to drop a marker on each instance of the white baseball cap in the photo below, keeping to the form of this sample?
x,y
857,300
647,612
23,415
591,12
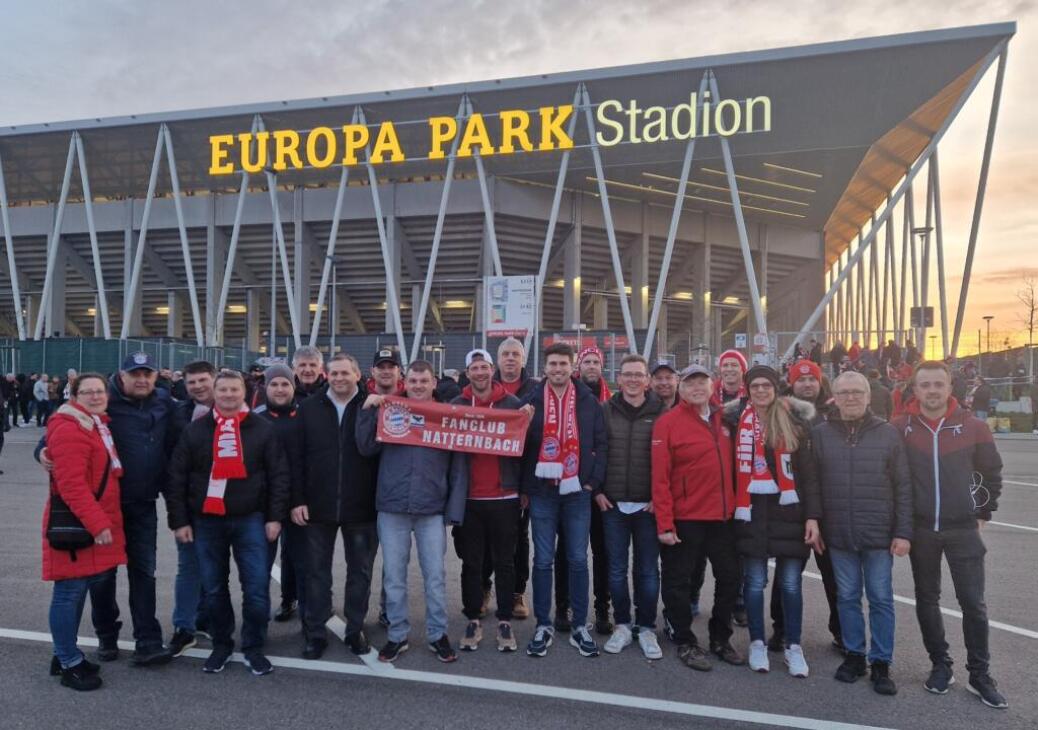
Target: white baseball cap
x,y
478,353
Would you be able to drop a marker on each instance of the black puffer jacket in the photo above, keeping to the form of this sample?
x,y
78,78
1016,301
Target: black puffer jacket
x,y
333,479
629,431
265,489
777,531
864,483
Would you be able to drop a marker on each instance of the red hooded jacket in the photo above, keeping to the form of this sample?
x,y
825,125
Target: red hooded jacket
x,y
79,463
692,468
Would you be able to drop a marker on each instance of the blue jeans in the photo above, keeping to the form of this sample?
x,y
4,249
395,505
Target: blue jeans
x,y
189,609
430,536
66,610
875,566
621,530
570,515
140,523
215,539
788,576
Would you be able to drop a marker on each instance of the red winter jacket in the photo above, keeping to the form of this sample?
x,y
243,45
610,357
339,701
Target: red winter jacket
x,y
691,468
79,463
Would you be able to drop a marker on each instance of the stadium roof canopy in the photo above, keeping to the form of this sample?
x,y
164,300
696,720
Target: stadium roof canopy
x,y
848,119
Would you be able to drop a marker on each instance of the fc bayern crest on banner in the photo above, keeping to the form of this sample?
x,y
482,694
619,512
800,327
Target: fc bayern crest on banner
x,y
551,448
396,420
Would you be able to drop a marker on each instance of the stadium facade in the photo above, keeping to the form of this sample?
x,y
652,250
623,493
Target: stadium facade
x,y
666,207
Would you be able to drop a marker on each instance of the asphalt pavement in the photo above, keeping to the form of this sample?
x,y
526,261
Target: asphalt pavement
x,y
485,688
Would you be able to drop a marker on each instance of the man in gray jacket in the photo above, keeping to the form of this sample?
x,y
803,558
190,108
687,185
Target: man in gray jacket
x,y
865,490
420,489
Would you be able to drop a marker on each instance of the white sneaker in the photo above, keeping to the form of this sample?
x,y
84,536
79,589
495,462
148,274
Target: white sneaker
x,y
649,644
759,657
795,661
621,638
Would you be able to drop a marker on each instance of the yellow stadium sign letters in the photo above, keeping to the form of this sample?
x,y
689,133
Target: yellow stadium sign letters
x,y
514,130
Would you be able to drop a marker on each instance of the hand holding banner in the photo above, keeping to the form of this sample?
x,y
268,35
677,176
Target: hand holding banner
x,y
494,431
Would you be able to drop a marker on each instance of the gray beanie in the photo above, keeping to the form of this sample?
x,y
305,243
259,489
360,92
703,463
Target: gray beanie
x,y
278,370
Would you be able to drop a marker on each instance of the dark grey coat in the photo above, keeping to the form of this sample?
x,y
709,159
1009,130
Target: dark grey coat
x,y
864,484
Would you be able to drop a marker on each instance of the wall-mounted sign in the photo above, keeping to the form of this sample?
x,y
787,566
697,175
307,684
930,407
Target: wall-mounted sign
x,y
511,305
503,133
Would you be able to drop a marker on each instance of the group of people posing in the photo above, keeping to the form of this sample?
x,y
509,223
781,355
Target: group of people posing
x,y
677,469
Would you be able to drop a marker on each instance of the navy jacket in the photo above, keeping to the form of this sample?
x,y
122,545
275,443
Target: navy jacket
x,y
144,437
594,444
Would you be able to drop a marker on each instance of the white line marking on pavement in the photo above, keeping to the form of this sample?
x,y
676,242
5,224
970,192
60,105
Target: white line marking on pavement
x,y
952,612
686,709
1018,527
1019,484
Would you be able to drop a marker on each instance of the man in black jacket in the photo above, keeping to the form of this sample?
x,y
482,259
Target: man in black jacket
x,y
625,503
866,497
228,492
281,409
491,524
957,480
334,491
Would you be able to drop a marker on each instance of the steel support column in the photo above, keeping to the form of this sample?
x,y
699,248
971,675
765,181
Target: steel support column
x,y
5,221
138,257
53,245
942,289
88,207
196,314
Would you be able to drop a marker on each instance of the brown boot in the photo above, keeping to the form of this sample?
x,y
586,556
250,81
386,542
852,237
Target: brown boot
x,y
519,607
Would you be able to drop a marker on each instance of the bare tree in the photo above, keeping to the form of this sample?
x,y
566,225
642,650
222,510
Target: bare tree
x,y
1028,296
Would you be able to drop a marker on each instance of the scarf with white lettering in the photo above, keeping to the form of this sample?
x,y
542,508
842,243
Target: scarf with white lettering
x,y
228,460
559,458
106,438
752,473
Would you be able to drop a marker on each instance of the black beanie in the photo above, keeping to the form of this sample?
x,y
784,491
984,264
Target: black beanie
x,y
761,371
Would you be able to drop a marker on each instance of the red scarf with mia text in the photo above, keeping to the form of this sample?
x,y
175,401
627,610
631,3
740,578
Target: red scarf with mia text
x,y
228,460
559,457
753,476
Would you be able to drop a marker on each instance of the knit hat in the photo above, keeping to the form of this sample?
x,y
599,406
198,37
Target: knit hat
x,y
589,351
804,367
761,371
278,370
735,355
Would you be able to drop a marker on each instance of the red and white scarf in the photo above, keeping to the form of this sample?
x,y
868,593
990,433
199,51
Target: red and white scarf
x,y
721,396
228,460
752,473
559,458
106,438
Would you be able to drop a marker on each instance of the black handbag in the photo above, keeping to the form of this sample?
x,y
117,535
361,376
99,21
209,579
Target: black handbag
x,y
65,531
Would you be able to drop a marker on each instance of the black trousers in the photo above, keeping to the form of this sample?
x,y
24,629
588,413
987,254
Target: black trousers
x,y
713,541
522,556
360,543
494,522
964,550
599,567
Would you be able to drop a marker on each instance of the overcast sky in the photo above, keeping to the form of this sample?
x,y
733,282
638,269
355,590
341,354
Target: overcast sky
x,y
71,60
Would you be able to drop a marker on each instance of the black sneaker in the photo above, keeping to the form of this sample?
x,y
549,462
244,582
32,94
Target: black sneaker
x,y
542,639
357,643
286,611
727,653
202,631
880,678
80,678
777,643
739,617
181,642
107,649
693,657
563,620
383,619
443,650
152,656
985,688
603,626
392,650
217,659
581,639
258,664
853,667
940,679
314,649
88,667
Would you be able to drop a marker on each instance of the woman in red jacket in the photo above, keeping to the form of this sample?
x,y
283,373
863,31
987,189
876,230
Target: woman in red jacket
x,y
84,458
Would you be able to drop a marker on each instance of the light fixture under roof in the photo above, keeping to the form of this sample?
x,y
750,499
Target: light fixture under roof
x,y
784,168
760,180
659,191
743,193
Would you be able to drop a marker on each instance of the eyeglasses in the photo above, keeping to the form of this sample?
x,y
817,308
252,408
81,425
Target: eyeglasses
x,y
91,393
849,393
